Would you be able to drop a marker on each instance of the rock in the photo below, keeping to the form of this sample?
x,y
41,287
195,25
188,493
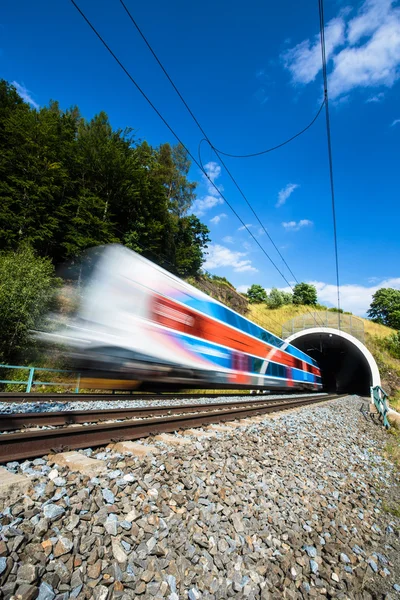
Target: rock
x,y
373,565
94,570
335,577
194,594
3,564
147,576
313,566
52,512
27,573
396,587
111,524
311,551
63,546
108,496
237,523
344,558
118,551
140,588
100,592
46,592
42,527
27,592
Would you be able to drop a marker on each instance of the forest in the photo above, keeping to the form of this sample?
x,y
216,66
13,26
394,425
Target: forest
x,y
68,184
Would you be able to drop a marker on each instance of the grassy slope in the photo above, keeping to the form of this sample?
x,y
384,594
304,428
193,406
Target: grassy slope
x,y
273,319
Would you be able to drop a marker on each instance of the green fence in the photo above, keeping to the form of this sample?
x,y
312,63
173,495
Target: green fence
x,y
379,398
31,381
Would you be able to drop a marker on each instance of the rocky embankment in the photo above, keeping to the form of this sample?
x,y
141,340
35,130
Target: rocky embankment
x,y
291,506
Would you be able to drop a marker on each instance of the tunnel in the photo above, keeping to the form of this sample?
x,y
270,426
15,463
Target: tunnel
x,y
347,366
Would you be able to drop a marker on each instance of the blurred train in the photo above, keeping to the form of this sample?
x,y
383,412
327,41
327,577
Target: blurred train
x,y
136,325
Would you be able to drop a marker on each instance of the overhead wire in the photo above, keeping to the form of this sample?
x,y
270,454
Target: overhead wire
x,y
218,152
328,135
262,152
98,35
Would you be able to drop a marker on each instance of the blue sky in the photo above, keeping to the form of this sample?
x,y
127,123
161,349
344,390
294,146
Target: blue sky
x,y
251,72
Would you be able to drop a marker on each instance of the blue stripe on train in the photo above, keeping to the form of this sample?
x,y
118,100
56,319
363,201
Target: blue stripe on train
x,y
223,357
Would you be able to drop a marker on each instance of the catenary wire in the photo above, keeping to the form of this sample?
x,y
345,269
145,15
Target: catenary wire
x,y
177,137
218,152
252,155
328,135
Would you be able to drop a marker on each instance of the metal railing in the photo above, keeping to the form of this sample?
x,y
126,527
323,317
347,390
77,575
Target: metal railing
x,y
31,381
347,323
379,398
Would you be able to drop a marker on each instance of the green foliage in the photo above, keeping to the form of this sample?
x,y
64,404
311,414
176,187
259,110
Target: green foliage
x,y
305,293
67,184
277,298
391,343
256,293
27,286
385,307
191,239
337,310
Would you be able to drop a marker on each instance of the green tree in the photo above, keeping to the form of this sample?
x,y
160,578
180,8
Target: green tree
x,y
304,293
256,294
27,287
191,241
385,307
173,172
67,184
277,298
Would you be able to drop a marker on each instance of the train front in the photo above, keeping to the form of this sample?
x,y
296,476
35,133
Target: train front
x,y
110,332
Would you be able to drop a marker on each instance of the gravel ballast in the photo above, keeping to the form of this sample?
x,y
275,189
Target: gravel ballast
x,y
290,507
54,406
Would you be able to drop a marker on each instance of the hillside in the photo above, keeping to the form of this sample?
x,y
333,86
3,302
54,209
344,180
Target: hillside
x,y
222,290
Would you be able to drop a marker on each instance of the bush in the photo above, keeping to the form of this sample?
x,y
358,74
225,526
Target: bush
x,y
27,289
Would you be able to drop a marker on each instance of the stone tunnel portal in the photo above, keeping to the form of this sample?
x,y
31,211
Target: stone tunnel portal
x,y
347,366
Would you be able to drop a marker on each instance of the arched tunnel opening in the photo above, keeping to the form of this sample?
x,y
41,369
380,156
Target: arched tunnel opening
x,y
346,364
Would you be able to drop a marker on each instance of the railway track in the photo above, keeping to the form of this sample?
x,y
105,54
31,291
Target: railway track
x,y
127,424
6,397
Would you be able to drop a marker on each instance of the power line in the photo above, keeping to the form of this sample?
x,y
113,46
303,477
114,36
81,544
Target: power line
x,y
273,147
328,135
207,139
176,136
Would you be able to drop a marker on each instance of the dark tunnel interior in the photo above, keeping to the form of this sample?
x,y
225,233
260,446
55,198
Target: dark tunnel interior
x,y
344,367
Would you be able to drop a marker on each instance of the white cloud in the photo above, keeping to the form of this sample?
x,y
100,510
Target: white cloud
x,y
377,98
244,227
304,60
25,94
212,197
217,218
353,297
285,193
296,225
370,56
395,122
228,239
220,256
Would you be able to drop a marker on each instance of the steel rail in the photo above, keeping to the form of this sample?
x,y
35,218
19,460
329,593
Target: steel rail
x,y
12,421
22,445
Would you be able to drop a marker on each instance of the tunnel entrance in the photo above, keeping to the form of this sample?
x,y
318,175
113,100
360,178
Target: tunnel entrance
x,y
347,366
